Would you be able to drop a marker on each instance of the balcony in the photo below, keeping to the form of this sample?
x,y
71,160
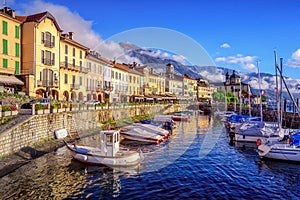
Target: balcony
x,y
108,88
69,66
84,70
48,43
47,83
74,86
47,61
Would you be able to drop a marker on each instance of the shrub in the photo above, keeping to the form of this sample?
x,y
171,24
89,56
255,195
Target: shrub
x,y
65,105
39,107
6,108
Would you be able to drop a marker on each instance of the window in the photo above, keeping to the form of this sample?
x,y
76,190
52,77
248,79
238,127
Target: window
x,y
17,50
95,68
90,66
80,80
66,61
73,62
80,54
17,67
66,49
48,58
80,65
4,27
112,75
5,63
66,78
5,50
17,31
74,51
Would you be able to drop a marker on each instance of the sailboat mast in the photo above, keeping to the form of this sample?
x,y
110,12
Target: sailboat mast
x,y
259,87
280,95
277,90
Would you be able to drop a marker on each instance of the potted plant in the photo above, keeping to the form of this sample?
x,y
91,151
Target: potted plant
x,y
6,111
14,110
66,107
39,109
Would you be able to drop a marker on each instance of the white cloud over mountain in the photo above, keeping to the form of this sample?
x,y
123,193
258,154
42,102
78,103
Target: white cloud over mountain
x,y
246,62
71,21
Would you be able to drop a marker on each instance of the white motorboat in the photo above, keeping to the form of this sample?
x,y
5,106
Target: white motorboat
x,y
145,133
109,153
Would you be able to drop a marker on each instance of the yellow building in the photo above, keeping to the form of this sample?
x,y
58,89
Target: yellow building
x,y
204,91
72,71
10,54
189,88
40,54
95,78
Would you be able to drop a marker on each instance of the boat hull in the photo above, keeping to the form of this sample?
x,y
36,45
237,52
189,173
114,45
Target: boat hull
x,y
281,152
121,159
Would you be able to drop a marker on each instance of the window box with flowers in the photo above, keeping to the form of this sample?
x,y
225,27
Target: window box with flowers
x,y
74,107
39,109
66,107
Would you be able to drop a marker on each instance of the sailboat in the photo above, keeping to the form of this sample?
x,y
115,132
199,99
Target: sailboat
x,y
285,149
253,129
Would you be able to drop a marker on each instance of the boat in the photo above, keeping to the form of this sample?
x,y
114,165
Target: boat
x,y
236,120
288,150
251,131
109,153
145,133
223,115
180,117
163,121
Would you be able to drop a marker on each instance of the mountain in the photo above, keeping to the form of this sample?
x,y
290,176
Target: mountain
x,y
158,59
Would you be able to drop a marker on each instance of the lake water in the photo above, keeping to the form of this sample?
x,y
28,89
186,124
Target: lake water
x,y
197,163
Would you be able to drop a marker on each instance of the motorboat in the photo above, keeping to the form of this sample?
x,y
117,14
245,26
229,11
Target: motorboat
x,y
109,153
236,120
180,117
163,121
223,115
145,133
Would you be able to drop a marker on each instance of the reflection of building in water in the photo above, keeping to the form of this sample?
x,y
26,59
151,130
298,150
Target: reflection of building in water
x,y
204,122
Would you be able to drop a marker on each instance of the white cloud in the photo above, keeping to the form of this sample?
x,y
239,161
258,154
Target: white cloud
x,y
225,46
246,62
70,21
294,61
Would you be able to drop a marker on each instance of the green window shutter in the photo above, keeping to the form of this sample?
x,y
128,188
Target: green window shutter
x,y
17,67
17,50
5,63
17,31
4,27
5,50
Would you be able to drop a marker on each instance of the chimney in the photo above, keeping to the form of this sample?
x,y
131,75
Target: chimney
x,y
71,35
9,12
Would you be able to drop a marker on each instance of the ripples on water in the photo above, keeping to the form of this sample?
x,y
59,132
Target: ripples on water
x,y
197,163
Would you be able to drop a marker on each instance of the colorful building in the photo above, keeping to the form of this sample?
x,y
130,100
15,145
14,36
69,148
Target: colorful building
x,y
72,71
10,55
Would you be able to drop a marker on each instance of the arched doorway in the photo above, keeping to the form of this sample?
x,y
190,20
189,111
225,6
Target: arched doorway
x,y
73,96
66,96
80,97
40,93
89,97
100,97
54,94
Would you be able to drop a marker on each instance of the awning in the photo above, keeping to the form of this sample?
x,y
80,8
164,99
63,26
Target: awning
x,y
10,80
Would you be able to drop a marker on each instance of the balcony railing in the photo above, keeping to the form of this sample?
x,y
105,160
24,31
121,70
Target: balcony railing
x,y
99,89
83,69
47,83
74,86
48,43
109,88
69,66
47,61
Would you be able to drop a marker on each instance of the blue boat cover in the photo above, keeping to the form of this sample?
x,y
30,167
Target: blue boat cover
x,y
295,140
242,118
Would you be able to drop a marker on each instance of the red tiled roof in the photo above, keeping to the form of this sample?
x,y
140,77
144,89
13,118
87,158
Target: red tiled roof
x,y
38,18
121,67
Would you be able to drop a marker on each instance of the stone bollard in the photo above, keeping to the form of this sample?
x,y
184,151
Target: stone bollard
x,y
33,109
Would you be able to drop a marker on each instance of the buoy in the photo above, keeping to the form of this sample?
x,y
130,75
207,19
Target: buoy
x,y
258,142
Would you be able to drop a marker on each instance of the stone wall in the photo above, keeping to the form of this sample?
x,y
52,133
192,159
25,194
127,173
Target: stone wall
x,y
39,128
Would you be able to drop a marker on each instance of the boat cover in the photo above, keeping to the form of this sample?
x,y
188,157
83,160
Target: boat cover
x,y
296,140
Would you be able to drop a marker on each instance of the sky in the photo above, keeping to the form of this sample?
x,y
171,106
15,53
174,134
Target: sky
x,y
231,34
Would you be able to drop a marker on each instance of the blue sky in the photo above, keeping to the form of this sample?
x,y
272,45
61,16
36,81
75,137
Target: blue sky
x,y
234,33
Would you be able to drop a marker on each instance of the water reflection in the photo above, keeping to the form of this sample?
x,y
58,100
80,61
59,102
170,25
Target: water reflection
x,y
176,169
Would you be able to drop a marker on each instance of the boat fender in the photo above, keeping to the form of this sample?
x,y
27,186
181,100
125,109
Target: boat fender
x,y
258,142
